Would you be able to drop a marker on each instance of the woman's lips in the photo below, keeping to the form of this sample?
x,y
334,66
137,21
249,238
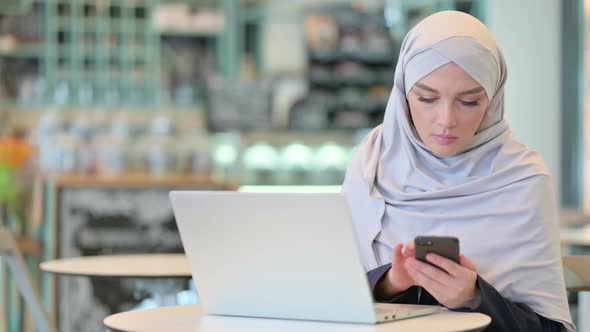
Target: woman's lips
x,y
445,139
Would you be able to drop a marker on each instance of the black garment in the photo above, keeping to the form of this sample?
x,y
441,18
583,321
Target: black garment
x,y
506,315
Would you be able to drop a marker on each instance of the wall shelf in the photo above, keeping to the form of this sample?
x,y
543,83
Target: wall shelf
x,y
23,51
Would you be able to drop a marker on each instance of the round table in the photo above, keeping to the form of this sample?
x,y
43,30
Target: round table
x,y
191,318
575,236
122,266
153,271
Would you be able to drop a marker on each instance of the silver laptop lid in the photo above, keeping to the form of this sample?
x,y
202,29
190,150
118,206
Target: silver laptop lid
x,y
274,255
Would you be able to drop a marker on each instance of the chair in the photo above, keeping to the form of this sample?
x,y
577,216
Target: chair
x,y
13,258
573,217
576,270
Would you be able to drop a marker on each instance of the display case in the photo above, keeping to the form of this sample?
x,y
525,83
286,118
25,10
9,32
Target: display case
x,y
352,51
114,53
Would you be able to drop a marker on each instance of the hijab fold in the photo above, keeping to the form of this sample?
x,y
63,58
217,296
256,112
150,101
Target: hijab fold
x,y
495,194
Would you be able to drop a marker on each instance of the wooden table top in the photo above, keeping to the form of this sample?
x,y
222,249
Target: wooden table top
x,y
132,266
191,318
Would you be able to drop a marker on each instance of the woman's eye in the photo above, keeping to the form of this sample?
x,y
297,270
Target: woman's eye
x,y
469,103
426,100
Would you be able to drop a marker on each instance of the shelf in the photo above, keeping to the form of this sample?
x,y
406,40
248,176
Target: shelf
x,y
291,189
92,25
362,56
365,107
129,55
187,33
135,180
311,137
338,81
90,42
92,3
361,105
351,70
23,51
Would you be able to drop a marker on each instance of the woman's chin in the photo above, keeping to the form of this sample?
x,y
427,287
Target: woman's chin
x,y
444,150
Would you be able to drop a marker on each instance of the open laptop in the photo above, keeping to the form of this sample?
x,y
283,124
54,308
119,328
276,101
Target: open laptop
x,y
279,255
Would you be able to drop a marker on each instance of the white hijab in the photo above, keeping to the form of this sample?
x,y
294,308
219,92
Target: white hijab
x,y
495,195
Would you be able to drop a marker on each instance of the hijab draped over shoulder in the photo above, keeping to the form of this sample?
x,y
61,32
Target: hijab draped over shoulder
x,y
495,194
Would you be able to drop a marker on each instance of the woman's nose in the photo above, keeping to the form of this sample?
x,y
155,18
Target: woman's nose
x,y
446,116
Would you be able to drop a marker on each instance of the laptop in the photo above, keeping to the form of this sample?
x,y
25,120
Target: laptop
x,y
279,255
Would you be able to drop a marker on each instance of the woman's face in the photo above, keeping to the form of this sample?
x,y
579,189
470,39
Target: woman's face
x,y
447,107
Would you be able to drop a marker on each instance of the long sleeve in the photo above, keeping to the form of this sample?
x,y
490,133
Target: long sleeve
x,y
510,316
413,295
506,315
375,275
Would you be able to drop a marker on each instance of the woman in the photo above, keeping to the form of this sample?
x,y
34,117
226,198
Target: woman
x,y
444,162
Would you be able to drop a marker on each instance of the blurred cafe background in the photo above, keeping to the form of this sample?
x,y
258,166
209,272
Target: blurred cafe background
x,y
107,105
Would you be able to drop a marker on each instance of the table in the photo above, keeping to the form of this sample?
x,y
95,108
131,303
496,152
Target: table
x,y
157,268
572,217
122,266
577,271
575,236
191,318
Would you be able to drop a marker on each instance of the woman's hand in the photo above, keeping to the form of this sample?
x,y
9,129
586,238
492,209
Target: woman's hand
x,y
397,278
453,285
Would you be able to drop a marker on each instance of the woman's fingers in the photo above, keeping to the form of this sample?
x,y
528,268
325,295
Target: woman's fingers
x,y
446,264
450,290
397,254
467,262
409,249
427,277
442,277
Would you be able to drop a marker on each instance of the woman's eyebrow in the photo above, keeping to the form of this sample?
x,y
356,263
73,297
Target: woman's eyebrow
x,y
426,87
470,91
462,93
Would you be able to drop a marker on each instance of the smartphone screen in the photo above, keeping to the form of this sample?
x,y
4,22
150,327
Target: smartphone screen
x,y
445,246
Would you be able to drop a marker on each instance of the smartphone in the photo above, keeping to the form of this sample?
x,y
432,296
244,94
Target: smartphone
x,y
445,246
